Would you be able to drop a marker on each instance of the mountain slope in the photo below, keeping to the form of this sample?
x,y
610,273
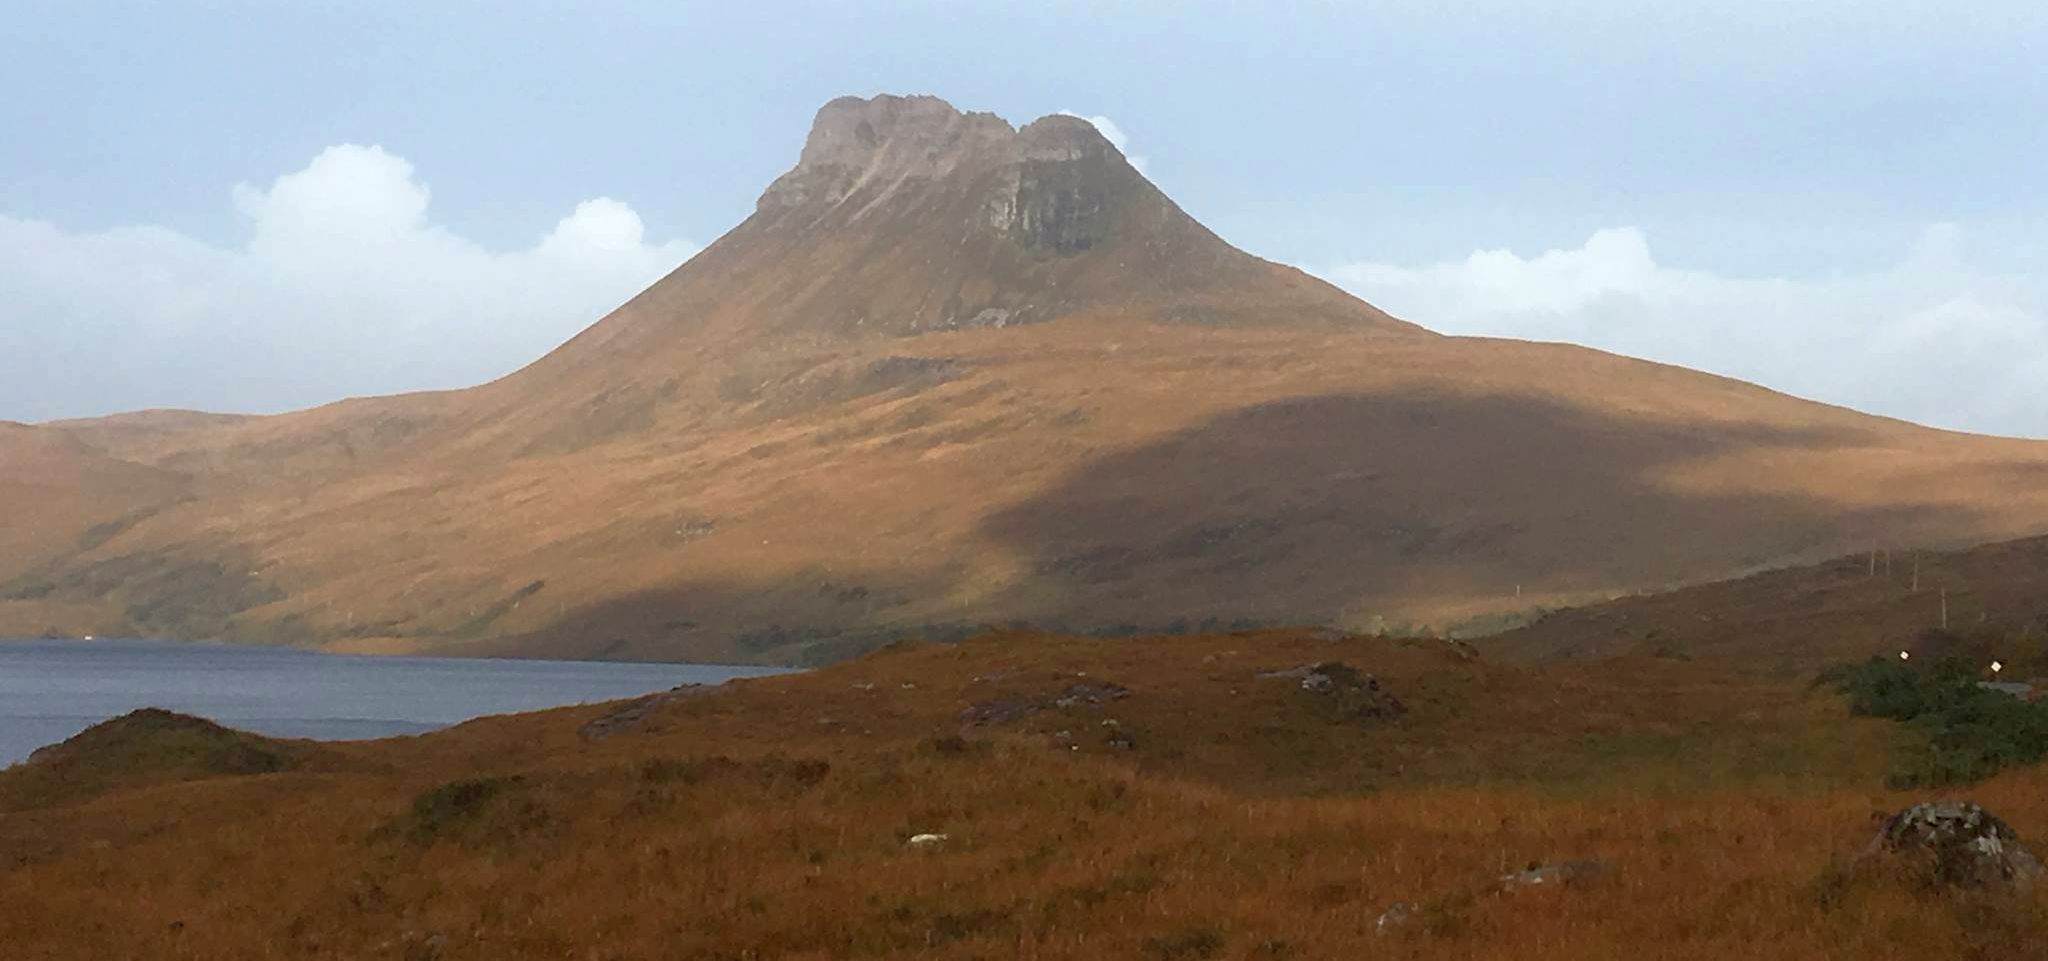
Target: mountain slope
x,y
955,373
62,499
1992,600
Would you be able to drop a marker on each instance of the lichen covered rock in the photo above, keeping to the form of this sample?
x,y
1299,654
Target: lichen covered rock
x,y
1354,695
1958,844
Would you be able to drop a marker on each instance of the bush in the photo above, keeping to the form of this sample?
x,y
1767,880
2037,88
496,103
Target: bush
x,y
434,811
491,811
1192,944
1969,732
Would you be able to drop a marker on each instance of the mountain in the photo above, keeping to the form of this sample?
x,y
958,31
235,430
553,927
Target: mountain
x,y
950,373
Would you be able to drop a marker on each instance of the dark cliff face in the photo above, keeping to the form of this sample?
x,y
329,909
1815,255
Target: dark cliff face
x,y
1054,186
1062,194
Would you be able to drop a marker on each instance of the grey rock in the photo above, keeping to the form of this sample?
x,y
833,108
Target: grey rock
x,y
2013,688
1354,695
1554,875
1001,710
1006,710
633,714
1394,918
1959,844
1091,692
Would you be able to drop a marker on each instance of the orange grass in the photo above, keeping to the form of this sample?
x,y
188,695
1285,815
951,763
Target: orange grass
x,y
768,820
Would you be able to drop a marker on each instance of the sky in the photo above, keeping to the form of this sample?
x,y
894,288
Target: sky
x,y
263,206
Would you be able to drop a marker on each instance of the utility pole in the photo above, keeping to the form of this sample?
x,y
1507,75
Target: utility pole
x,y
1944,608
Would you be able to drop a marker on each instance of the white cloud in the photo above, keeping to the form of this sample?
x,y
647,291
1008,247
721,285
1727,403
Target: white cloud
x,y
1112,133
1932,339
344,287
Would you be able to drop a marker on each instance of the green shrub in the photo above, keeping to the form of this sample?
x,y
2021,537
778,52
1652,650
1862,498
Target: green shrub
x,y
1968,732
468,811
1192,944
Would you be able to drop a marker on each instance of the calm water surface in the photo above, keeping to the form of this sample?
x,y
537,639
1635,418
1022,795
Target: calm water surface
x,y
50,690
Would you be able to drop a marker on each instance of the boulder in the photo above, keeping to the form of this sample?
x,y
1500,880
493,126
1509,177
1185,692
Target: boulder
x,y
1958,843
1091,692
1394,918
1355,695
1005,710
1000,710
1555,875
633,714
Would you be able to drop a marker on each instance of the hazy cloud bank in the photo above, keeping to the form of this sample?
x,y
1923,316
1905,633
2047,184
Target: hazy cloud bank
x,y
1932,339
345,287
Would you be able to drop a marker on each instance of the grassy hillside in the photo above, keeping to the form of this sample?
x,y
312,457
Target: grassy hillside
x,y
61,499
1991,600
1231,810
1086,472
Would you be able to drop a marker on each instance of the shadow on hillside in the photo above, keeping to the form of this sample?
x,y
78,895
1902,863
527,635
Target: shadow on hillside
x,y
1345,506
812,617
1366,510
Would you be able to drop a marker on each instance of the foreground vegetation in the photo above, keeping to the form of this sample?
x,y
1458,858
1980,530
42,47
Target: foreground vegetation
x,y
1967,731
1171,798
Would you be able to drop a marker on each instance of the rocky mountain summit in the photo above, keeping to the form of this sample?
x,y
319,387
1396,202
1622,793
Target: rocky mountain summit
x,y
1054,185
1000,225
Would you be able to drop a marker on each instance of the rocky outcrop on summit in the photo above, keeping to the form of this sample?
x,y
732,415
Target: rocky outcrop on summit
x,y
882,142
1055,185
908,216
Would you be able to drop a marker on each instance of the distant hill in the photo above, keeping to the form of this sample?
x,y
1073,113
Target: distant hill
x,y
1990,600
953,373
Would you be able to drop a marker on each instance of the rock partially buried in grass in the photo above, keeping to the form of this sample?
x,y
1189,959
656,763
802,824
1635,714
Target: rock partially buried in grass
x,y
1092,693
1001,710
1355,695
1394,918
633,714
1447,912
927,840
1959,844
1556,875
1006,710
